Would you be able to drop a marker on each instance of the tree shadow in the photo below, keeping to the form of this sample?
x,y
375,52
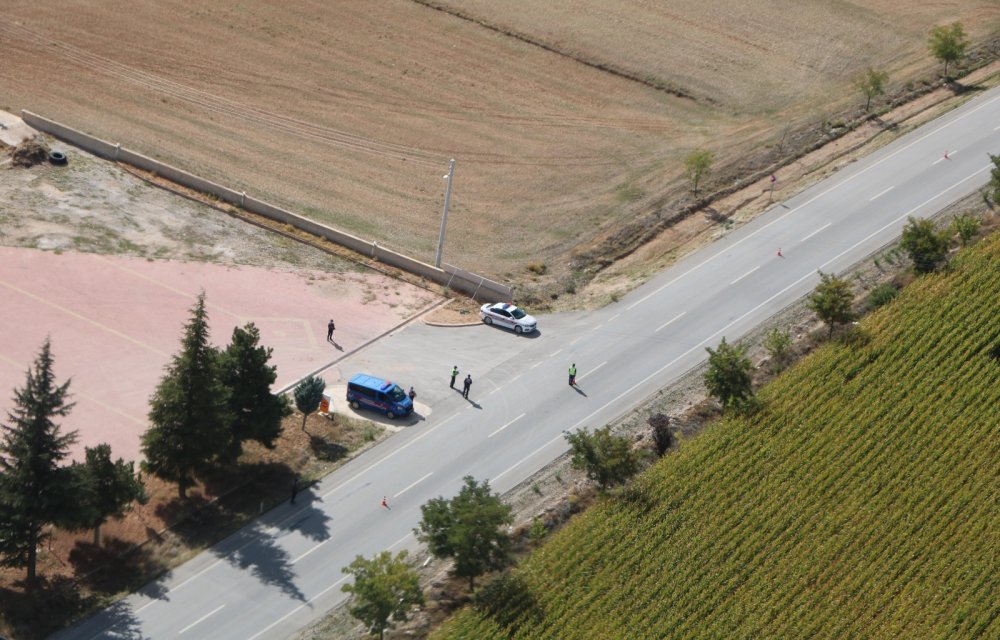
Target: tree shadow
x,y
117,565
325,450
257,551
509,602
51,604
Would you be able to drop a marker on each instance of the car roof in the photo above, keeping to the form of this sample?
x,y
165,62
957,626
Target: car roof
x,y
505,306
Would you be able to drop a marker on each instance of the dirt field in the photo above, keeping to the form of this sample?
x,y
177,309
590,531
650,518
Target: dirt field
x,y
563,130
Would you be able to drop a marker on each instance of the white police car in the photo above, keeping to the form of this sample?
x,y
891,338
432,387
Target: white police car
x,y
509,316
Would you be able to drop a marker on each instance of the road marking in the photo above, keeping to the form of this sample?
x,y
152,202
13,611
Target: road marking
x,y
612,318
576,340
811,274
947,156
880,194
515,377
310,551
745,275
375,464
296,609
176,587
996,128
413,485
537,364
555,353
682,314
811,200
201,619
816,231
505,426
400,541
595,368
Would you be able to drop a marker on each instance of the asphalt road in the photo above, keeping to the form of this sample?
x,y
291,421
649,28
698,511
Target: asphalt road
x,y
283,571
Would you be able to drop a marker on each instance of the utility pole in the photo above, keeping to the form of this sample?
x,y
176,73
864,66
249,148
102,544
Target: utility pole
x,y
444,216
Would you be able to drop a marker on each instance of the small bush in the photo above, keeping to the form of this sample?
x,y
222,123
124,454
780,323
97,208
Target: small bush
x,y
881,295
538,268
662,437
537,530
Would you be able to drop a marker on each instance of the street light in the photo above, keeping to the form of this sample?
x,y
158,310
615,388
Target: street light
x,y
444,217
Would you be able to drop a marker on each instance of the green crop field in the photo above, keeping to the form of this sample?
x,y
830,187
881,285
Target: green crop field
x,y
863,502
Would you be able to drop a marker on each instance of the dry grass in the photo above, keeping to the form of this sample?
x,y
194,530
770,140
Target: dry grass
x,y
349,112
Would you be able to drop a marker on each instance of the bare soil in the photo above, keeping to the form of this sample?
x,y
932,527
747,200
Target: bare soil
x,y
569,121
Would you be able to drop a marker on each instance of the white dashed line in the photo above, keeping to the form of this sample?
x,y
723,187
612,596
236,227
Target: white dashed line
x,y
506,425
742,276
413,485
201,619
881,193
595,369
671,320
816,231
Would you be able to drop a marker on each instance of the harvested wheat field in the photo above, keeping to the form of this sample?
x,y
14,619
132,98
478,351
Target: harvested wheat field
x,y
567,119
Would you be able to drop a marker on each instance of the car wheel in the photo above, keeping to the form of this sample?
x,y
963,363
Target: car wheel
x,y
355,405
390,415
518,329
488,320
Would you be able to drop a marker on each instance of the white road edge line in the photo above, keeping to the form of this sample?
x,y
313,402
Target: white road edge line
x,y
506,425
595,368
811,200
816,231
295,610
740,319
413,485
201,619
674,319
880,194
745,275
400,541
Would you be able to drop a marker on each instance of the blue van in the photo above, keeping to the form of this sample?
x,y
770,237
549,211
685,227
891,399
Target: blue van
x,y
368,391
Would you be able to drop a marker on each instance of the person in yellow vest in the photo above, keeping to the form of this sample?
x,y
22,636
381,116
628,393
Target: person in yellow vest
x,y
572,374
454,374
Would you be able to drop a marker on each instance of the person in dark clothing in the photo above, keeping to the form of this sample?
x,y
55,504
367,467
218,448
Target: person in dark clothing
x,y
467,385
329,330
412,394
295,489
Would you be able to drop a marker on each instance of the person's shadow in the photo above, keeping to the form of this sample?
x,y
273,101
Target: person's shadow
x,y
334,343
576,387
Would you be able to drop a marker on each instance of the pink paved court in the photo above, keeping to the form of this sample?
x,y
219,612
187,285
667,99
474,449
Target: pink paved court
x,y
115,322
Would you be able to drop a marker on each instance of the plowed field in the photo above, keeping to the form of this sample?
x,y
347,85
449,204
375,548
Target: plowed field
x,y
567,118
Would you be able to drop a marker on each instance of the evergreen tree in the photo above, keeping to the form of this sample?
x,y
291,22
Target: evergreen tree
x,y
189,411
831,300
33,488
385,589
607,459
308,395
106,489
469,529
728,377
257,413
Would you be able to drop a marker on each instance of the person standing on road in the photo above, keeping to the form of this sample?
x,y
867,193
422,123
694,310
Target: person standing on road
x,y
329,330
412,394
295,488
572,374
454,374
467,386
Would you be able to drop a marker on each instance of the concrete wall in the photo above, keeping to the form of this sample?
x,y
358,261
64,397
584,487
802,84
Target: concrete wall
x,y
452,277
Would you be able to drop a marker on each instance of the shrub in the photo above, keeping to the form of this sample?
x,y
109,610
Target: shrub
x,y
881,295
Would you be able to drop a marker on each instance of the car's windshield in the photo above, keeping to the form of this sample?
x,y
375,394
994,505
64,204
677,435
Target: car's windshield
x,y
518,313
396,394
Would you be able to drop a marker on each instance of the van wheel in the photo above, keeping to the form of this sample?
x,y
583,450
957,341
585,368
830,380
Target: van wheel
x,y
488,320
355,405
518,330
390,415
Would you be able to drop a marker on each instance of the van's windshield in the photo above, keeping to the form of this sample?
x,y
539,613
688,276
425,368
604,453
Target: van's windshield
x,y
396,394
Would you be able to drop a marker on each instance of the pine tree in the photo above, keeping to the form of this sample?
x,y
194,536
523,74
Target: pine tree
x,y
308,396
33,488
106,489
189,411
257,413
